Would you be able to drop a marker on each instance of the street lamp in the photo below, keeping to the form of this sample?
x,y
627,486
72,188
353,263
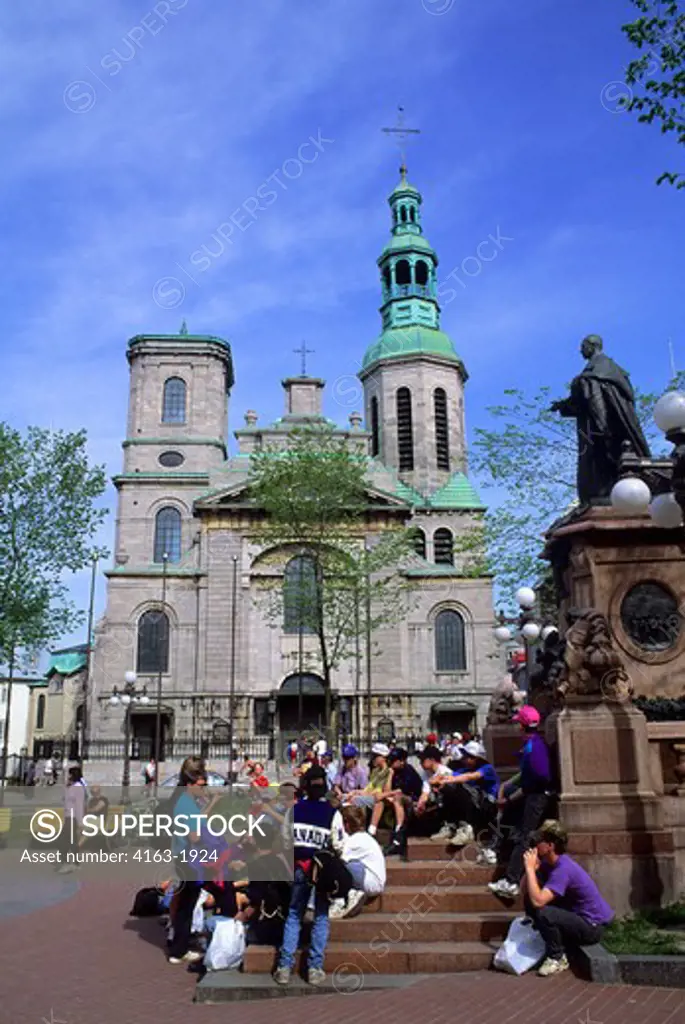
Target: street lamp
x,y
524,623
271,709
632,495
344,707
127,698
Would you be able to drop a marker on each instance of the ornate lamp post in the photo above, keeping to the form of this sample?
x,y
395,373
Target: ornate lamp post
x,y
127,698
271,709
344,708
525,623
632,494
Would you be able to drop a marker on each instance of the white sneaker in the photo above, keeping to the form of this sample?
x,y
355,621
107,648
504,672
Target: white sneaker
x,y
551,966
188,958
487,856
336,910
355,898
504,888
444,835
463,835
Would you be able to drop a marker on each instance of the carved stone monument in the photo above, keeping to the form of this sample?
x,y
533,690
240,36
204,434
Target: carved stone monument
x,y
608,801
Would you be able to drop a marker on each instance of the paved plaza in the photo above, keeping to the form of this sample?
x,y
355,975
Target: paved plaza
x,y
84,961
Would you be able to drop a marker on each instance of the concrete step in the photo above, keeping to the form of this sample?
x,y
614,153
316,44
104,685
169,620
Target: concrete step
x,y
446,896
423,872
438,927
424,849
235,986
383,957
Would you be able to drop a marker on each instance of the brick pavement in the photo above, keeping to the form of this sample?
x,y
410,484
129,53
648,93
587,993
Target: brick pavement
x,y
83,961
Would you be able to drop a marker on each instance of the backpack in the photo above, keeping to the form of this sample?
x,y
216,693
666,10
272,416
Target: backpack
x,y
330,875
146,903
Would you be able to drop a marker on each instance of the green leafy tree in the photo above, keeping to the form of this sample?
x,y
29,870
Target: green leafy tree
x,y
527,458
659,32
315,503
48,518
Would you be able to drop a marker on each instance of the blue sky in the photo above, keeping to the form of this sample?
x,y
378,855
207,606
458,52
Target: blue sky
x,y
133,130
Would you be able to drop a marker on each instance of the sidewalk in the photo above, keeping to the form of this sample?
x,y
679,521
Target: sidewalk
x,y
84,961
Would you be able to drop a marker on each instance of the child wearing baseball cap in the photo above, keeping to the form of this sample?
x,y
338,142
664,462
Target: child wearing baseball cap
x,y
526,807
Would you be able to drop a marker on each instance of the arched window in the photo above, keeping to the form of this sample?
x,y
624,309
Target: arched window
x,y
411,214
442,440
387,281
405,437
299,596
168,534
443,547
421,272
40,712
403,214
174,401
375,428
419,541
402,272
153,643
450,646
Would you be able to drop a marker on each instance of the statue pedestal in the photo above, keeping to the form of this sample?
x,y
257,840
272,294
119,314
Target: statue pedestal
x,y
608,803
502,744
632,572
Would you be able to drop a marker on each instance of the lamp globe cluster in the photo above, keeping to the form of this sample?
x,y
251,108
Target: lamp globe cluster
x,y
631,495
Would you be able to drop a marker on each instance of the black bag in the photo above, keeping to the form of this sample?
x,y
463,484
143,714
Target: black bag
x,y
146,903
330,875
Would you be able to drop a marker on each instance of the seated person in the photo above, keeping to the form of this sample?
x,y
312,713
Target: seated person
x,y
380,781
405,792
431,768
352,776
258,776
564,902
365,862
469,800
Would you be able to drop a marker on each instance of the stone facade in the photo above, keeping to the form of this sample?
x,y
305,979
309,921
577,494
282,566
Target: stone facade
x,y
175,459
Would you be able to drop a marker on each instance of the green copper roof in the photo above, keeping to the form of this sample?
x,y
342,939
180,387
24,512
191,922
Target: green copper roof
x,y
458,492
407,493
67,662
176,337
399,342
405,242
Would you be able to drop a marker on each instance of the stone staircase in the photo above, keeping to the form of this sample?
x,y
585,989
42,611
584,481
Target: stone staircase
x,y
436,916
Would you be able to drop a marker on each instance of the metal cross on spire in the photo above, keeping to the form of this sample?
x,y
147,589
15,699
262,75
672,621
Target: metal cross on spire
x,y
303,351
401,133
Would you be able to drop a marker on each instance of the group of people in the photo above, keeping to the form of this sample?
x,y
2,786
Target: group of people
x,y
325,828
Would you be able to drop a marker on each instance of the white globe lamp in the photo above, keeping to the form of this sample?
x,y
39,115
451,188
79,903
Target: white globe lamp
x,y
125,699
525,597
502,634
631,496
531,631
130,678
666,512
144,699
114,700
669,411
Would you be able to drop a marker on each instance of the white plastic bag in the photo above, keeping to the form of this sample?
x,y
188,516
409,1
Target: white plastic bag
x,y
227,947
198,922
522,949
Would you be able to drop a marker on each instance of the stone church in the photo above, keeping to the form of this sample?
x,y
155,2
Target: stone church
x,y
181,596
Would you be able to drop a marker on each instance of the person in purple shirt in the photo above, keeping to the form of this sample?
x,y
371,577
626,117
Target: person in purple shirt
x,y
527,806
564,902
352,775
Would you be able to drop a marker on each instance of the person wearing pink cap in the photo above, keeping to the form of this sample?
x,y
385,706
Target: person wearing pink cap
x,y
527,806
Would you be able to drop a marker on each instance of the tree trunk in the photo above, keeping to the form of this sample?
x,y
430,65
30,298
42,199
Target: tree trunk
x,y
8,722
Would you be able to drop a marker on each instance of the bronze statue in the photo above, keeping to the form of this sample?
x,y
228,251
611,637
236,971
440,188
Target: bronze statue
x,y
602,402
592,666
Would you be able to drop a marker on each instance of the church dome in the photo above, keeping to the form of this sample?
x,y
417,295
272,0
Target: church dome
x,y
414,340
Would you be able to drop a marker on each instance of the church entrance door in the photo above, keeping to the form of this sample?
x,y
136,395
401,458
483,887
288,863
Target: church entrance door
x,y
301,706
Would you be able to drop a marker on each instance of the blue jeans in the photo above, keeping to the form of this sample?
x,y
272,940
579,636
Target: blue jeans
x,y
291,936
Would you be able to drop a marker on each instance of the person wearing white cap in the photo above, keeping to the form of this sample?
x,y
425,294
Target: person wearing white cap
x,y
380,782
454,749
469,800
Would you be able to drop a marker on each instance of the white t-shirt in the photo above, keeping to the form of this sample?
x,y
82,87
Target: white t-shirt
x,y
442,769
362,847
320,747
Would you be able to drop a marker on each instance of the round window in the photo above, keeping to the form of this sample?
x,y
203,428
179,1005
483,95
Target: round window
x,y
171,459
651,617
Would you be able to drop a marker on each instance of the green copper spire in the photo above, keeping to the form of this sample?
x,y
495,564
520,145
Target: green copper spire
x,y
410,311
